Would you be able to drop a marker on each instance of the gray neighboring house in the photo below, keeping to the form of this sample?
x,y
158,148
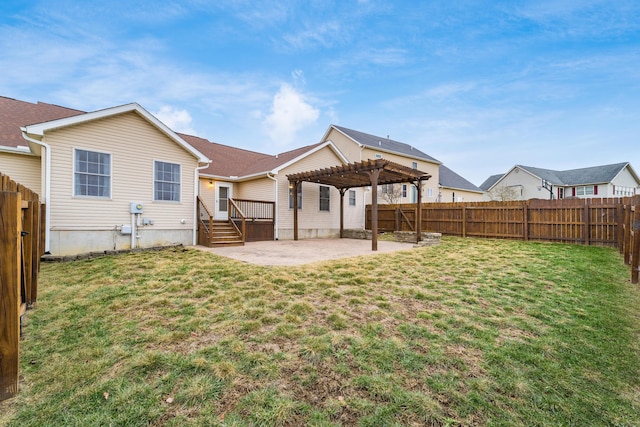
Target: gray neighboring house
x,y
527,182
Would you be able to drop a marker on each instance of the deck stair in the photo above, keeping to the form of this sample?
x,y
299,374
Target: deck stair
x,y
225,234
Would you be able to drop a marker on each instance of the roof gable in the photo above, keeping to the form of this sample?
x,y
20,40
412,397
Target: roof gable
x,y
237,163
39,129
582,176
383,144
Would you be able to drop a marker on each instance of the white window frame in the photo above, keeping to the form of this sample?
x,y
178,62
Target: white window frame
x,y
156,181
414,165
326,199
352,197
76,173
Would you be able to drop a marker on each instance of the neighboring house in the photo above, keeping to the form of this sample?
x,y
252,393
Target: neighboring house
x,y
454,188
444,184
110,179
247,175
525,182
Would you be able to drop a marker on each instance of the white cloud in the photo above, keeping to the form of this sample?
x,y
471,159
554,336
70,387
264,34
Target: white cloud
x,y
290,113
177,120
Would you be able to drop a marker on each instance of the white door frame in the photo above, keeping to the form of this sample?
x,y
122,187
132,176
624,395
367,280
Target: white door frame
x,y
222,214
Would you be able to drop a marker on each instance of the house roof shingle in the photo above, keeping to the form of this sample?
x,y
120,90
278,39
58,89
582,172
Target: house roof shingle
x,y
582,176
489,182
14,114
236,162
385,144
450,179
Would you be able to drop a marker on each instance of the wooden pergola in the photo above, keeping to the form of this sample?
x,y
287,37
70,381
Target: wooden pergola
x,y
361,174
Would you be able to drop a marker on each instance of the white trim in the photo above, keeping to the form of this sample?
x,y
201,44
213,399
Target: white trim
x,y
21,149
73,176
40,128
153,196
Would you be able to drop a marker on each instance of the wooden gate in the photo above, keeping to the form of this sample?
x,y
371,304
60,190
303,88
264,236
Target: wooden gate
x,y
21,240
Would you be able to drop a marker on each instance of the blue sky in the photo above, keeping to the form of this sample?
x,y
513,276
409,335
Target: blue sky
x,y
479,85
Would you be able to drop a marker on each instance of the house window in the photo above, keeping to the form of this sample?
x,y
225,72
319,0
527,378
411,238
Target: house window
x,y
429,192
619,190
299,196
325,198
352,197
414,165
560,193
414,194
92,174
166,183
378,156
404,190
586,191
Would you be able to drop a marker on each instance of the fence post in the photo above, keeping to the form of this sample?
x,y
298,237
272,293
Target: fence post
x,y
464,221
620,218
627,234
587,224
525,221
635,252
10,262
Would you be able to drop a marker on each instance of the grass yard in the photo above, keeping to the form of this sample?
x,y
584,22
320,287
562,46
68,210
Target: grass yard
x,y
472,332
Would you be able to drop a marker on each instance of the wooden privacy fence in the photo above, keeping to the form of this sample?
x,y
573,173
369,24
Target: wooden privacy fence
x,y
21,245
602,221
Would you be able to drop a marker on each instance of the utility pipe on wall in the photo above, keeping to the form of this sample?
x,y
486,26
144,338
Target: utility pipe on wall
x,y
47,188
275,185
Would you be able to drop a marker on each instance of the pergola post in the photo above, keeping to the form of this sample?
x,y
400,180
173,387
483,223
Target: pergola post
x,y
295,209
374,174
342,191
418,226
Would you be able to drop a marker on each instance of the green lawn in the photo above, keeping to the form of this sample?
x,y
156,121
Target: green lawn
x,y
472,332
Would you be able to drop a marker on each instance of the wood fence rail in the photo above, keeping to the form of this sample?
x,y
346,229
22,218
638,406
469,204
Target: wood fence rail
x,y
599,221
21,246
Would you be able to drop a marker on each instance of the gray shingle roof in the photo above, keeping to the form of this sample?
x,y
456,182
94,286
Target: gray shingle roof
x,y
385,144
489,182
582,176
450,179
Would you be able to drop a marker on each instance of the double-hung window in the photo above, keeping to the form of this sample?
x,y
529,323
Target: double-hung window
x,y
352,197
325,198
166,183
92,174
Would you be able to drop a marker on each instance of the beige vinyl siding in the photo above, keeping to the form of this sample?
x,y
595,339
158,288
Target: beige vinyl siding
x,y
24,169
354,153
347,146
134,144
262,189
460,196
208,193
310,216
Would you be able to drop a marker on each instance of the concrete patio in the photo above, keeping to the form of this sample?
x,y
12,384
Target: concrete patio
x,y
298,252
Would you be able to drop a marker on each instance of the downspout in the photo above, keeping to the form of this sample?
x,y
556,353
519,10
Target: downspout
x,y
47,188
196,192
275,185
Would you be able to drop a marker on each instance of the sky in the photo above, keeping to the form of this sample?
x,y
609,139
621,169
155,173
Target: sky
x,y
479,85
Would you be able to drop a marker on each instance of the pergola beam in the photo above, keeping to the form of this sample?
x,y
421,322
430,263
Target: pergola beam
x,y
361,174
